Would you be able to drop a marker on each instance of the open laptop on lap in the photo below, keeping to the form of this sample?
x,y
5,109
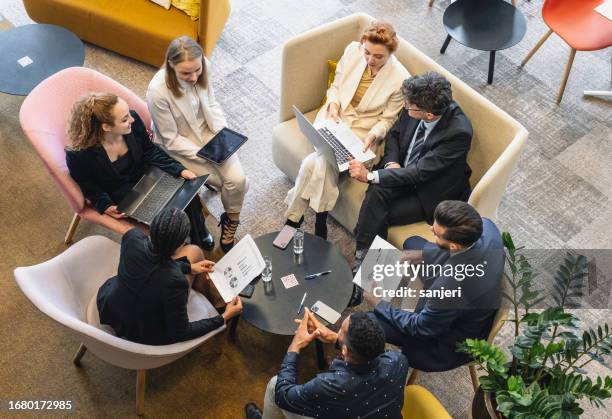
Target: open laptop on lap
x,y
157,190
335,140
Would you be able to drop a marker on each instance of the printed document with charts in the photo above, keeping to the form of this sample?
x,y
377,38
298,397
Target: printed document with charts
x,y
381,252
237,268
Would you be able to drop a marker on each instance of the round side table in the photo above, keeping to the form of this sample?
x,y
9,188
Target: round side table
x,y
31,53
485,25
272,308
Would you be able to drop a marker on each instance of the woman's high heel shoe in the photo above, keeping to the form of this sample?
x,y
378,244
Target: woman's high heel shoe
x,y
228,231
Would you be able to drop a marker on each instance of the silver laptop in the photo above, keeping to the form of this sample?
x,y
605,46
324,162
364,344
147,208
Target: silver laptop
x,y
335,140
157,190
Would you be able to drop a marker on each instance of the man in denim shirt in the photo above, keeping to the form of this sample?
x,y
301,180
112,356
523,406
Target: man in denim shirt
x,y
366,382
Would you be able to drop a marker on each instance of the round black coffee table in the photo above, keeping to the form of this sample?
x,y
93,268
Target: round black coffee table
x,y
31,53
272,308
486,25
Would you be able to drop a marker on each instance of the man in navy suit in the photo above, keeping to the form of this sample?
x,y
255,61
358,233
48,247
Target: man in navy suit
x,y
428,336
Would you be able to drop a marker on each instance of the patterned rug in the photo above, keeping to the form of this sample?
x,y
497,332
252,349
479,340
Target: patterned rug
x,y
558,197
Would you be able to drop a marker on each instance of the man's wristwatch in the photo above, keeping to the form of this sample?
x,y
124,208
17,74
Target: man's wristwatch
x,y
370,177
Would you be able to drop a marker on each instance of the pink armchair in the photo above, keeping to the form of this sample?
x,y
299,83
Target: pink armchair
x,y
44,118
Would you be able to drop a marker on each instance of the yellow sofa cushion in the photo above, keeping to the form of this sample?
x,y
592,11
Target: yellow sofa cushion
x,y
331,75
191,7
147,17
331,64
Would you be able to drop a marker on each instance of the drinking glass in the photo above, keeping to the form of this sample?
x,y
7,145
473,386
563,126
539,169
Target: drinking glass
x,y
298,241
266,274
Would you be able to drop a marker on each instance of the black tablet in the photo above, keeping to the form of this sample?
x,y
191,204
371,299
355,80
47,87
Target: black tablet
x,y
222,146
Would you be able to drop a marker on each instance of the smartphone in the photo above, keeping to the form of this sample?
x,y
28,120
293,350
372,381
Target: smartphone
x,y
325,312
284,237
248,291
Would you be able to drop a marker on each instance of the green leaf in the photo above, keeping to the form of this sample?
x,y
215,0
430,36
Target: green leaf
x,y
567,335
507,241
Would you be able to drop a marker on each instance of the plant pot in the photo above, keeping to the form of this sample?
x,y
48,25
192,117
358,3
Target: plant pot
x,y
484,406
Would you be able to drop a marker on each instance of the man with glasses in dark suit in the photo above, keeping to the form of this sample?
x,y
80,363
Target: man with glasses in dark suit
x,y
425,163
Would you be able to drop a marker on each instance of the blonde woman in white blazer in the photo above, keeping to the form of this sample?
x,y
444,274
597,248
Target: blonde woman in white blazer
x,y
186,116
366,96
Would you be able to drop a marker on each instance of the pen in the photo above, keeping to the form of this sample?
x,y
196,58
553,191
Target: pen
x,y
302,303
371,276
377,257
312,276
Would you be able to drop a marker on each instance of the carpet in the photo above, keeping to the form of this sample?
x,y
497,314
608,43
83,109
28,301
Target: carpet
x,y
558,197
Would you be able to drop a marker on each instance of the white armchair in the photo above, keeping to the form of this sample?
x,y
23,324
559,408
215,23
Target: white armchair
x,y
496,146
64,288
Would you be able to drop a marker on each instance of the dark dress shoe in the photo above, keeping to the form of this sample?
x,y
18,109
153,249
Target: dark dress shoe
x,y
207,242
252,411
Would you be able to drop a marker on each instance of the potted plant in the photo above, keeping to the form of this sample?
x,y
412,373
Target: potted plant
x,y
545,377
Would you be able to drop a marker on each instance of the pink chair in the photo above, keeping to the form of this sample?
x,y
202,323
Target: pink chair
x,y
44,118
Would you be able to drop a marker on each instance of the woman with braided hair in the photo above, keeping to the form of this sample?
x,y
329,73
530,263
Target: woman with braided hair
x,y
109,152
146,302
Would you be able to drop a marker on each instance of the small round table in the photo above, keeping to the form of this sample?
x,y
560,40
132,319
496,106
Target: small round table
x,y
272,308
31,53
486,25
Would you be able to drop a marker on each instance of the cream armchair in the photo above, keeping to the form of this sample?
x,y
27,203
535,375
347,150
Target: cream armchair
x,y
496,146
64,288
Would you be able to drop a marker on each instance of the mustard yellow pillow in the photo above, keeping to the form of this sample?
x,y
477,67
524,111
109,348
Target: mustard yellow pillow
x,y
191,7
331,67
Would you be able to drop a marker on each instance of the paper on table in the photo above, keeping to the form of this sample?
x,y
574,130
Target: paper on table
x,y
25,61
381,252
605,9
237,268
289,281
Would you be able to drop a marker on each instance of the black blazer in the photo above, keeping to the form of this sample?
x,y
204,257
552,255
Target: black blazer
x,y
442,171
101,184
430,333
147,301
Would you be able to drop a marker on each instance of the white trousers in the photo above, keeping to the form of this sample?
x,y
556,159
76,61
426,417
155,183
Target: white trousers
x,y
271,410
316,186
317,182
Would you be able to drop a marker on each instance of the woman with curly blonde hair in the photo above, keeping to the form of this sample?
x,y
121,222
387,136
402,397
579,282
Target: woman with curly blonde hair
x,y
109,152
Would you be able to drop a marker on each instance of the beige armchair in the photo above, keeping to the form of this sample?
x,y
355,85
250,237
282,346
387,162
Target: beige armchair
x,y
496,146
64,288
